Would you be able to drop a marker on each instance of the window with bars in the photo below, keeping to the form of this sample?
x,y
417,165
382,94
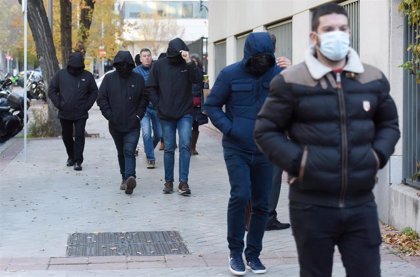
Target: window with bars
x,y
411,113
283,33
353,9
240,43
219,56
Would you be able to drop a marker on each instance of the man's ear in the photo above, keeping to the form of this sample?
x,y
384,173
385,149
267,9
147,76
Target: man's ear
x,y
313,37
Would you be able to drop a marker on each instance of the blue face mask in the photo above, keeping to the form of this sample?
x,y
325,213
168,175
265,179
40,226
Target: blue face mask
x,y
334,45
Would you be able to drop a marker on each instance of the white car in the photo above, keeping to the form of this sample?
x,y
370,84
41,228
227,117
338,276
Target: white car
x,y
100,79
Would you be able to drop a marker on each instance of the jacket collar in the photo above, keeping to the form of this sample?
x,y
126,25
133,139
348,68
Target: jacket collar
x,y
319,70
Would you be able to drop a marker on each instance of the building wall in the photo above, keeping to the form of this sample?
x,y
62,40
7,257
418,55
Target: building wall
x,y
380,45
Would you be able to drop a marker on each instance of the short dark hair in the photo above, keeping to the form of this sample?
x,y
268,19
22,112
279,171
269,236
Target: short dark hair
x,y
325,9
145,50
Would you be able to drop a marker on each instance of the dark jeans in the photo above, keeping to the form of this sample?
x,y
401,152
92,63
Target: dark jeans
x,y
250,177
275,193
74,148
169,129
354,230
126,143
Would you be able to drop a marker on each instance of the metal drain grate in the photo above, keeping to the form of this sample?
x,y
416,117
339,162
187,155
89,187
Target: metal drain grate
x,y
155,243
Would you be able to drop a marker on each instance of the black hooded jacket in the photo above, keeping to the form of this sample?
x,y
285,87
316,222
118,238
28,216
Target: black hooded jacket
x,y
170,82
73,95
123,101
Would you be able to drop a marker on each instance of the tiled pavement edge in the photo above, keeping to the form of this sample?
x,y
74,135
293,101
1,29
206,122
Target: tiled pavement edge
x,y
42,201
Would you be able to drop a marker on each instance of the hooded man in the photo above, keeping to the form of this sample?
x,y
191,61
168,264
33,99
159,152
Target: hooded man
x,y
242,88
73,91
331,123
123,101
170,83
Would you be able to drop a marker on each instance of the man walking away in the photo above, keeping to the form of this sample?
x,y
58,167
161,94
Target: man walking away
x,y
242,89
73,92
170,83
331,123
122,100
150,121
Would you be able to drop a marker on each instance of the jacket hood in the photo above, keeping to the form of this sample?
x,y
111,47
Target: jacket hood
x,y
175,46
124,57
76,60
258,43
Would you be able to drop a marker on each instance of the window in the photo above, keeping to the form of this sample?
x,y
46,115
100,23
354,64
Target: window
x,y
411,113
174,9
219,56
283,33
240,44
352,8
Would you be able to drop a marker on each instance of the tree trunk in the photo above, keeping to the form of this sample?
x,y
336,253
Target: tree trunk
x,y
41,32
65,29
86,13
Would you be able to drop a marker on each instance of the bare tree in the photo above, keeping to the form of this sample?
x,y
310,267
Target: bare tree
x,y
65,30
86,14
41,32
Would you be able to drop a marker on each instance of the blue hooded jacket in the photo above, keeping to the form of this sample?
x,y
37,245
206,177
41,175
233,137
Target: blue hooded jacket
x,y
243,95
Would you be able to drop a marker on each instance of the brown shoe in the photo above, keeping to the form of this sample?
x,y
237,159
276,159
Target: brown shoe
x,y
184,189
130,185
162,146
168,187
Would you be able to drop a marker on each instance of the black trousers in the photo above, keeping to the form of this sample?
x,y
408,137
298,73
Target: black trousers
x,y
355,231
74,147
275,192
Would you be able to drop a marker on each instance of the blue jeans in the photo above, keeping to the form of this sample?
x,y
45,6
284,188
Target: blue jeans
x,y
126,143
150,121
250,177
355,230
169,128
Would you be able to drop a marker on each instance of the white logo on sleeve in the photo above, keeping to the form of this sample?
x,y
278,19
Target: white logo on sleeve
x,y
366,105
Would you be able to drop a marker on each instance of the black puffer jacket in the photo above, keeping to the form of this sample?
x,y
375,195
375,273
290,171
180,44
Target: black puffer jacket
x,y
123,101
73,95
170,83
332,140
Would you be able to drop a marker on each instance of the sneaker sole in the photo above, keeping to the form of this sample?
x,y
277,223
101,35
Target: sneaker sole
x,y
234,272
184,192
258,271
167,191
131,184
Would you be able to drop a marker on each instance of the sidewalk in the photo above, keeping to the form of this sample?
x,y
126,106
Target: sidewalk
x,y
42,202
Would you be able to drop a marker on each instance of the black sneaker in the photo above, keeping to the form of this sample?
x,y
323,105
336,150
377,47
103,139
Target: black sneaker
x,y
274,224
77,166
168,187
70,162
130,185
236,265
151,164
184,189
255,265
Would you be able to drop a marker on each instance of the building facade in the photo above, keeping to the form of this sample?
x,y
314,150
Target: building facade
x,y
381,42
152,23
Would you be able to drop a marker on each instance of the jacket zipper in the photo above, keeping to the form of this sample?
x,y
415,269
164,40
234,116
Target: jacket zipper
x,y
344,140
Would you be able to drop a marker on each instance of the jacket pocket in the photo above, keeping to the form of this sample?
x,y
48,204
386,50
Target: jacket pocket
x,y
242,94
376,158
303,164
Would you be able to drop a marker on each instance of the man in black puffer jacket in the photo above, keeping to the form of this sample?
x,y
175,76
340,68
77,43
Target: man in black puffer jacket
x,y
170,83
123,101
331,123
73,91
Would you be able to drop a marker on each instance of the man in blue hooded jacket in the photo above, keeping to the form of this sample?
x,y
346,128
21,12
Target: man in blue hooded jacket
x,y
242,88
